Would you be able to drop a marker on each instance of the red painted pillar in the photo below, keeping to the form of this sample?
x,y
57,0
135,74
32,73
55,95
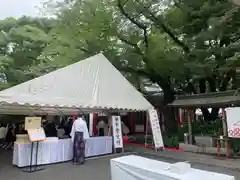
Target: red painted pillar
x,y
132,124
218,148
95,118
179,117
145,121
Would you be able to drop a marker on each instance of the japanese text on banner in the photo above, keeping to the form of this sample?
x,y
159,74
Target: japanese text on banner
x,y
117,131
156,131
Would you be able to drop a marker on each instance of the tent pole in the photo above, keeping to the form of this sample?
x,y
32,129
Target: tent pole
x,y
122,133
146,133
110,130
189,125
80,110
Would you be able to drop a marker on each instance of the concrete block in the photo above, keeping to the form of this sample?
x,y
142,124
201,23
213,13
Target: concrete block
x,y
188,147
206,141
211,150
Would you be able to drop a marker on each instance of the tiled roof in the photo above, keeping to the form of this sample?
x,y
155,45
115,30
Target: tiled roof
x,y
220,99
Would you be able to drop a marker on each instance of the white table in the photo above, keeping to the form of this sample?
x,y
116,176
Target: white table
x,y
59,150
138,168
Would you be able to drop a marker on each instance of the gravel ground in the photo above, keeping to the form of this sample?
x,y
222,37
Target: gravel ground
x,y
98,169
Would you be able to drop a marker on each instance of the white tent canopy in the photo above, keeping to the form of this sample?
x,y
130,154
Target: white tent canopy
x,y
90,84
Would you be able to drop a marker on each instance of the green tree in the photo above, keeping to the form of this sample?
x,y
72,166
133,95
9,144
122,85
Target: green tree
x,y
21,43
94,27
183,46
210,32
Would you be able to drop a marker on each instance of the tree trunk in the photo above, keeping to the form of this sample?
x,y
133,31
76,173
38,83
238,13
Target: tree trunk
x,y
203,89
168,95
213,88
168,112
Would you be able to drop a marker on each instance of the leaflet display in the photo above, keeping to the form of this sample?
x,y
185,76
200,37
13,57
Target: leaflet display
x,y
36,135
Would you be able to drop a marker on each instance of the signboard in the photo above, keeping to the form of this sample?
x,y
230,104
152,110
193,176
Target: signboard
x,y
32,122
156,130
117,131
233,122
36,135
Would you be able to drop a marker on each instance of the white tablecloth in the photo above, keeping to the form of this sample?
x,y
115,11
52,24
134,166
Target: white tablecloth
x,y
138,168
59,150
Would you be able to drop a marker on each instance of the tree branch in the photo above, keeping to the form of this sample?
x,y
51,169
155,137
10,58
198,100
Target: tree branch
x,y
134,45
135,22
160,24
226,80
167,30
178,4
152,76
149,72
86,51
140,72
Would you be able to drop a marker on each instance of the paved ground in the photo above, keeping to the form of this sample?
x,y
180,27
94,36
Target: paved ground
x,y
98,169
93,169
232,172
232,163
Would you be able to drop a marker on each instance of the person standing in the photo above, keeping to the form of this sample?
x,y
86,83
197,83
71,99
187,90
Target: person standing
x,y
68,127
79,135
50,129
101,126
2,134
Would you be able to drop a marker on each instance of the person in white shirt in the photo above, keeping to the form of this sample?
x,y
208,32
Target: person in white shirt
x,y
2,134
79,134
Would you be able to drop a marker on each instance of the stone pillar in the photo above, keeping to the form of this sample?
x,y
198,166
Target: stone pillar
x,y
189,126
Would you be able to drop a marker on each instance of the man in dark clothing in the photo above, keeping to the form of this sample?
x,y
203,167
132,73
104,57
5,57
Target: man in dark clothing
x,y
68,127
50,129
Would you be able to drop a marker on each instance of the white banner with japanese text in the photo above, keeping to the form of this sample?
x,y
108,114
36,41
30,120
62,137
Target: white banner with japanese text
x,y
156,130
117,132
233,122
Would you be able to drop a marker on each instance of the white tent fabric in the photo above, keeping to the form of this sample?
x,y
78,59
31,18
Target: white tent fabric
x,y
93,83
28,104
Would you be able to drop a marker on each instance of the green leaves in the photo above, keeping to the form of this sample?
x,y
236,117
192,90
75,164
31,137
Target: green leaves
x,y
21,43
181,41
28,33
5,62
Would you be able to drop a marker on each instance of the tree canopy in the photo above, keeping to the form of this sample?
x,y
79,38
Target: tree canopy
x,y
184,46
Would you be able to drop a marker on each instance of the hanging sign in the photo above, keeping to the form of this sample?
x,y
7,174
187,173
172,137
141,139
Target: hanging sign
x,y
32,122
117,132
233,122
156,130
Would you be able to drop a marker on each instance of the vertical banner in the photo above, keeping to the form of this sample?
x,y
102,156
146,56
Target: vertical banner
x,y
233,122
156,130
117,132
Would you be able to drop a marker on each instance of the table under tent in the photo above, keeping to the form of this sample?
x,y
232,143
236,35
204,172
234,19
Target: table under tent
x,y
90,85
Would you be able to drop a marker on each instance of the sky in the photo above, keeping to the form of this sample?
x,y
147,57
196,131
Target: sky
x,y
18,8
